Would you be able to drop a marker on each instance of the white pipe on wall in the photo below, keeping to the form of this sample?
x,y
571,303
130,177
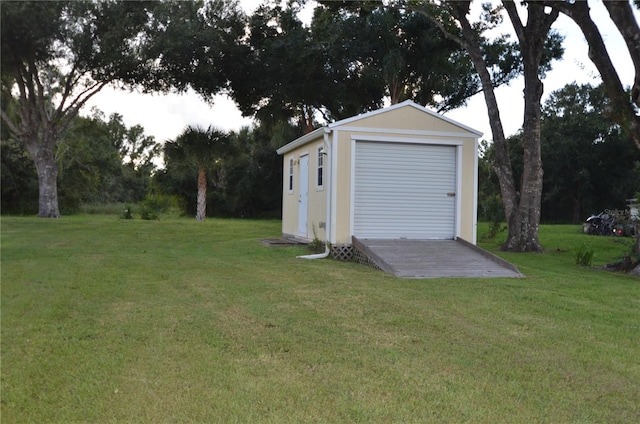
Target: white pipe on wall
x,y
327,224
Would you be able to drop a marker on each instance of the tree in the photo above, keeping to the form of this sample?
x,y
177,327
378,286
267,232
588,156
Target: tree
x,y
250,171
206,150
94,161
18,182
50,70
253,173
352,57
281,74
590,163
381,50
523,222
57,55
537,48
623,108
89,165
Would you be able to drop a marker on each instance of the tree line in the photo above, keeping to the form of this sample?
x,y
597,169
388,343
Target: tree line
x,y
590,162
102,161
590,165
352,57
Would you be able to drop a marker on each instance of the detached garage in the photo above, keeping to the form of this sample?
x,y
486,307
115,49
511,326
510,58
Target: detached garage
x,y
403,172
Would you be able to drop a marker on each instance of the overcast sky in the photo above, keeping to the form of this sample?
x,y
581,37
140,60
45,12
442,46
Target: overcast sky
x,y
165,116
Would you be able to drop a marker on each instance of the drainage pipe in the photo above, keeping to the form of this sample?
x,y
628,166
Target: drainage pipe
x,y
327,225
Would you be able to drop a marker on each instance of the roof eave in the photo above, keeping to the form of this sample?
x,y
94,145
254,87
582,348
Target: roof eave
x,y
400,105
302,140
328,128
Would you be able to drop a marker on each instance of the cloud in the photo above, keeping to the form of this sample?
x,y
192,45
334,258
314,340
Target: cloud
x,y
164,116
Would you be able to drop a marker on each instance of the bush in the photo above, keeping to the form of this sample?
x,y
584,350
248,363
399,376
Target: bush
x,y
493,212
584,255
127,212
156,205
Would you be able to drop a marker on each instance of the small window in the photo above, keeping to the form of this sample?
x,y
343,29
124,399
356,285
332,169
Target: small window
x,y
320,178
291,174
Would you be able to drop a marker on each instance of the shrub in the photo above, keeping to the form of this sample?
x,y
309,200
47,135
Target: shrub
x,y
584,255
316,246
156,205
127,212
494,213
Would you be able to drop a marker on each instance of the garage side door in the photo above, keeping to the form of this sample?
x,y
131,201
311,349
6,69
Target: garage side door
x,y
404,190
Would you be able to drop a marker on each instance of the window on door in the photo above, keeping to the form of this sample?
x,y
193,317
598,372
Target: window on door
x,y
291,175
320,173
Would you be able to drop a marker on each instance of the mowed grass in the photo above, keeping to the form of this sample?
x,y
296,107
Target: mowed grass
x,y
107,320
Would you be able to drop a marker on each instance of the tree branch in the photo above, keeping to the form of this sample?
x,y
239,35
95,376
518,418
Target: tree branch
x,y
76,104
21,77
39,97
471,43
512,11
622,111
460,41
12,126
622,16
69,83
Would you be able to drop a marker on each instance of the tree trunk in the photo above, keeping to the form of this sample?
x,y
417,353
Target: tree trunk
x,y
201,213
306,119
521,209
523,227
502,164
42,153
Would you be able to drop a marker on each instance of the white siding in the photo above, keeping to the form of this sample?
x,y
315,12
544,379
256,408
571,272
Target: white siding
x,y
404,190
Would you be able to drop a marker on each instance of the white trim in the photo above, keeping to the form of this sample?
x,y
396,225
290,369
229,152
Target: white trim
x,y
320,153
408,103
334,185
475,194
459,145
352,187
406,140
409,132
291,174
458,202
302,140
306,232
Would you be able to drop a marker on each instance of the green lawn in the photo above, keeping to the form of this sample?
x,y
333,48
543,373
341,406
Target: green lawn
x,y
107,320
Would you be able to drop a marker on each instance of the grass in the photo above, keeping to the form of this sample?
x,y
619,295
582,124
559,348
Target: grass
x,y
107,320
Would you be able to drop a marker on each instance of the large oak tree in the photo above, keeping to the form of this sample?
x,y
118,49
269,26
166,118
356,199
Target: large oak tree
x,y
57,55
351,58
537,47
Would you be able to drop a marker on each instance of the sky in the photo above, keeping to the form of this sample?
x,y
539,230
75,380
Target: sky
x,y
165,116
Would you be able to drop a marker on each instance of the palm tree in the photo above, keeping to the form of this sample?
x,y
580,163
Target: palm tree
x,y
204,149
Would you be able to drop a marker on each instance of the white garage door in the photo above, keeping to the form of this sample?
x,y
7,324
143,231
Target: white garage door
x,y
404,190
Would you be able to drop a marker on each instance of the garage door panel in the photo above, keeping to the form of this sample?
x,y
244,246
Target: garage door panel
x,y
402,190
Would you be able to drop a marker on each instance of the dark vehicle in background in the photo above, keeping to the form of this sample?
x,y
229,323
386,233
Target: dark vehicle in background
x,y
613,222
601,224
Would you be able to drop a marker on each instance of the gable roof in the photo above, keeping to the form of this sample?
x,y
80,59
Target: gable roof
x,y
343,122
